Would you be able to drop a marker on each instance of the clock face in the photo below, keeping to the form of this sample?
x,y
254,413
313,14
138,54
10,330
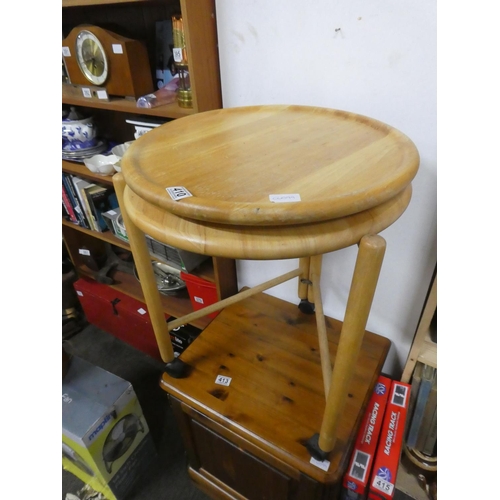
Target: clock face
x,y
91,57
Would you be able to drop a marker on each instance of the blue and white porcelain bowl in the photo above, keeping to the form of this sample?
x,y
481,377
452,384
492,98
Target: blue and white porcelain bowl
x,y
78,134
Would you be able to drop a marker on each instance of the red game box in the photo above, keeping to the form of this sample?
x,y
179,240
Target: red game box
x,y
385,467
355,481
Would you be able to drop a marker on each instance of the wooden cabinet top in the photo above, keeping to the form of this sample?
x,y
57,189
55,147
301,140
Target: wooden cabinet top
x,y
268,352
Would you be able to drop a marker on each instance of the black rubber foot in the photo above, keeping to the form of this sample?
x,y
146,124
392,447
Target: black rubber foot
x,y
177,368
306,307
313,448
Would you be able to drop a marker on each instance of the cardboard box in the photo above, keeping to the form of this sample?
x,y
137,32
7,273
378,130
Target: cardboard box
x,y
182,336
386,464
105,437
355,481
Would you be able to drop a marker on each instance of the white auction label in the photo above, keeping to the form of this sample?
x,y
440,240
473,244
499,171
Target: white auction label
x,y
284,198
383,485
141,311
117,48
324,464
223,380
87,93
178,192
84,251
177,53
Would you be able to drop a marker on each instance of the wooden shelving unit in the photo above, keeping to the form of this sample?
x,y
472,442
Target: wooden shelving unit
x,y
424,354
136,19
424,349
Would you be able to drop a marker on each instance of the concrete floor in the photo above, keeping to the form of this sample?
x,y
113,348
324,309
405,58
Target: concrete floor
x,y
168,478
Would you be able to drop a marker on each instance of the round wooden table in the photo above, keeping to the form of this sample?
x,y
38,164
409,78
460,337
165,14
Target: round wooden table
x,y
266,183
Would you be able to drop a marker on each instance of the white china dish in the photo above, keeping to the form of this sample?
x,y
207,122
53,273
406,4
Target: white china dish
x,y
120,149
101,164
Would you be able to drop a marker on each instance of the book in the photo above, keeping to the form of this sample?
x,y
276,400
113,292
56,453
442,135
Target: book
x,y
425,386
70,188
415,384
388,455
101,199
427,421
88,192
80,184
355,480
430,445
68,206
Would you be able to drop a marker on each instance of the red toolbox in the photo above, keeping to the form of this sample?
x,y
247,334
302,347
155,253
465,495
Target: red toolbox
x,y
118,314
201,292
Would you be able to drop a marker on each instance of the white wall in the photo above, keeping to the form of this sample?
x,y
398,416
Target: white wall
x,y
376,58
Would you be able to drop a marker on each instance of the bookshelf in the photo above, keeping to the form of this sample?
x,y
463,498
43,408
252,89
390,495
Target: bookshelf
x,y
424,349
421,371
137,19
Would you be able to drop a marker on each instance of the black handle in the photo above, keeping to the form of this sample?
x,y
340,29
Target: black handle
x,y
113,303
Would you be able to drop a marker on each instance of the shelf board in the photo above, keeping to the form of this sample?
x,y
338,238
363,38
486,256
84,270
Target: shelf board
x,y
106,236
85,3
428,351
123,105
205,270
79,169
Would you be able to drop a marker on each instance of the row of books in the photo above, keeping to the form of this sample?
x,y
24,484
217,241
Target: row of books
x,y
84,202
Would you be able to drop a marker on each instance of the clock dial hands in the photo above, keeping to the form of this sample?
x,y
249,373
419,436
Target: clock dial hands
x,y
91,57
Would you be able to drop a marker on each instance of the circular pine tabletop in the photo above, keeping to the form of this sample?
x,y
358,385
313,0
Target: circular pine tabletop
x,y
270,165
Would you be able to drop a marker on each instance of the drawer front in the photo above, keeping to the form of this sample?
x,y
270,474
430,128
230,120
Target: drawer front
x,y
239,470
222,461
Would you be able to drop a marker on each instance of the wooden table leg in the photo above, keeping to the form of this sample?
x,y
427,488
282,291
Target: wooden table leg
x,y
366,272
142,261
324,350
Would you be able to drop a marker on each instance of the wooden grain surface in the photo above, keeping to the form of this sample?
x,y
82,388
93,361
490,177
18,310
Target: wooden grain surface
x,y
275,399
231,160
262,242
